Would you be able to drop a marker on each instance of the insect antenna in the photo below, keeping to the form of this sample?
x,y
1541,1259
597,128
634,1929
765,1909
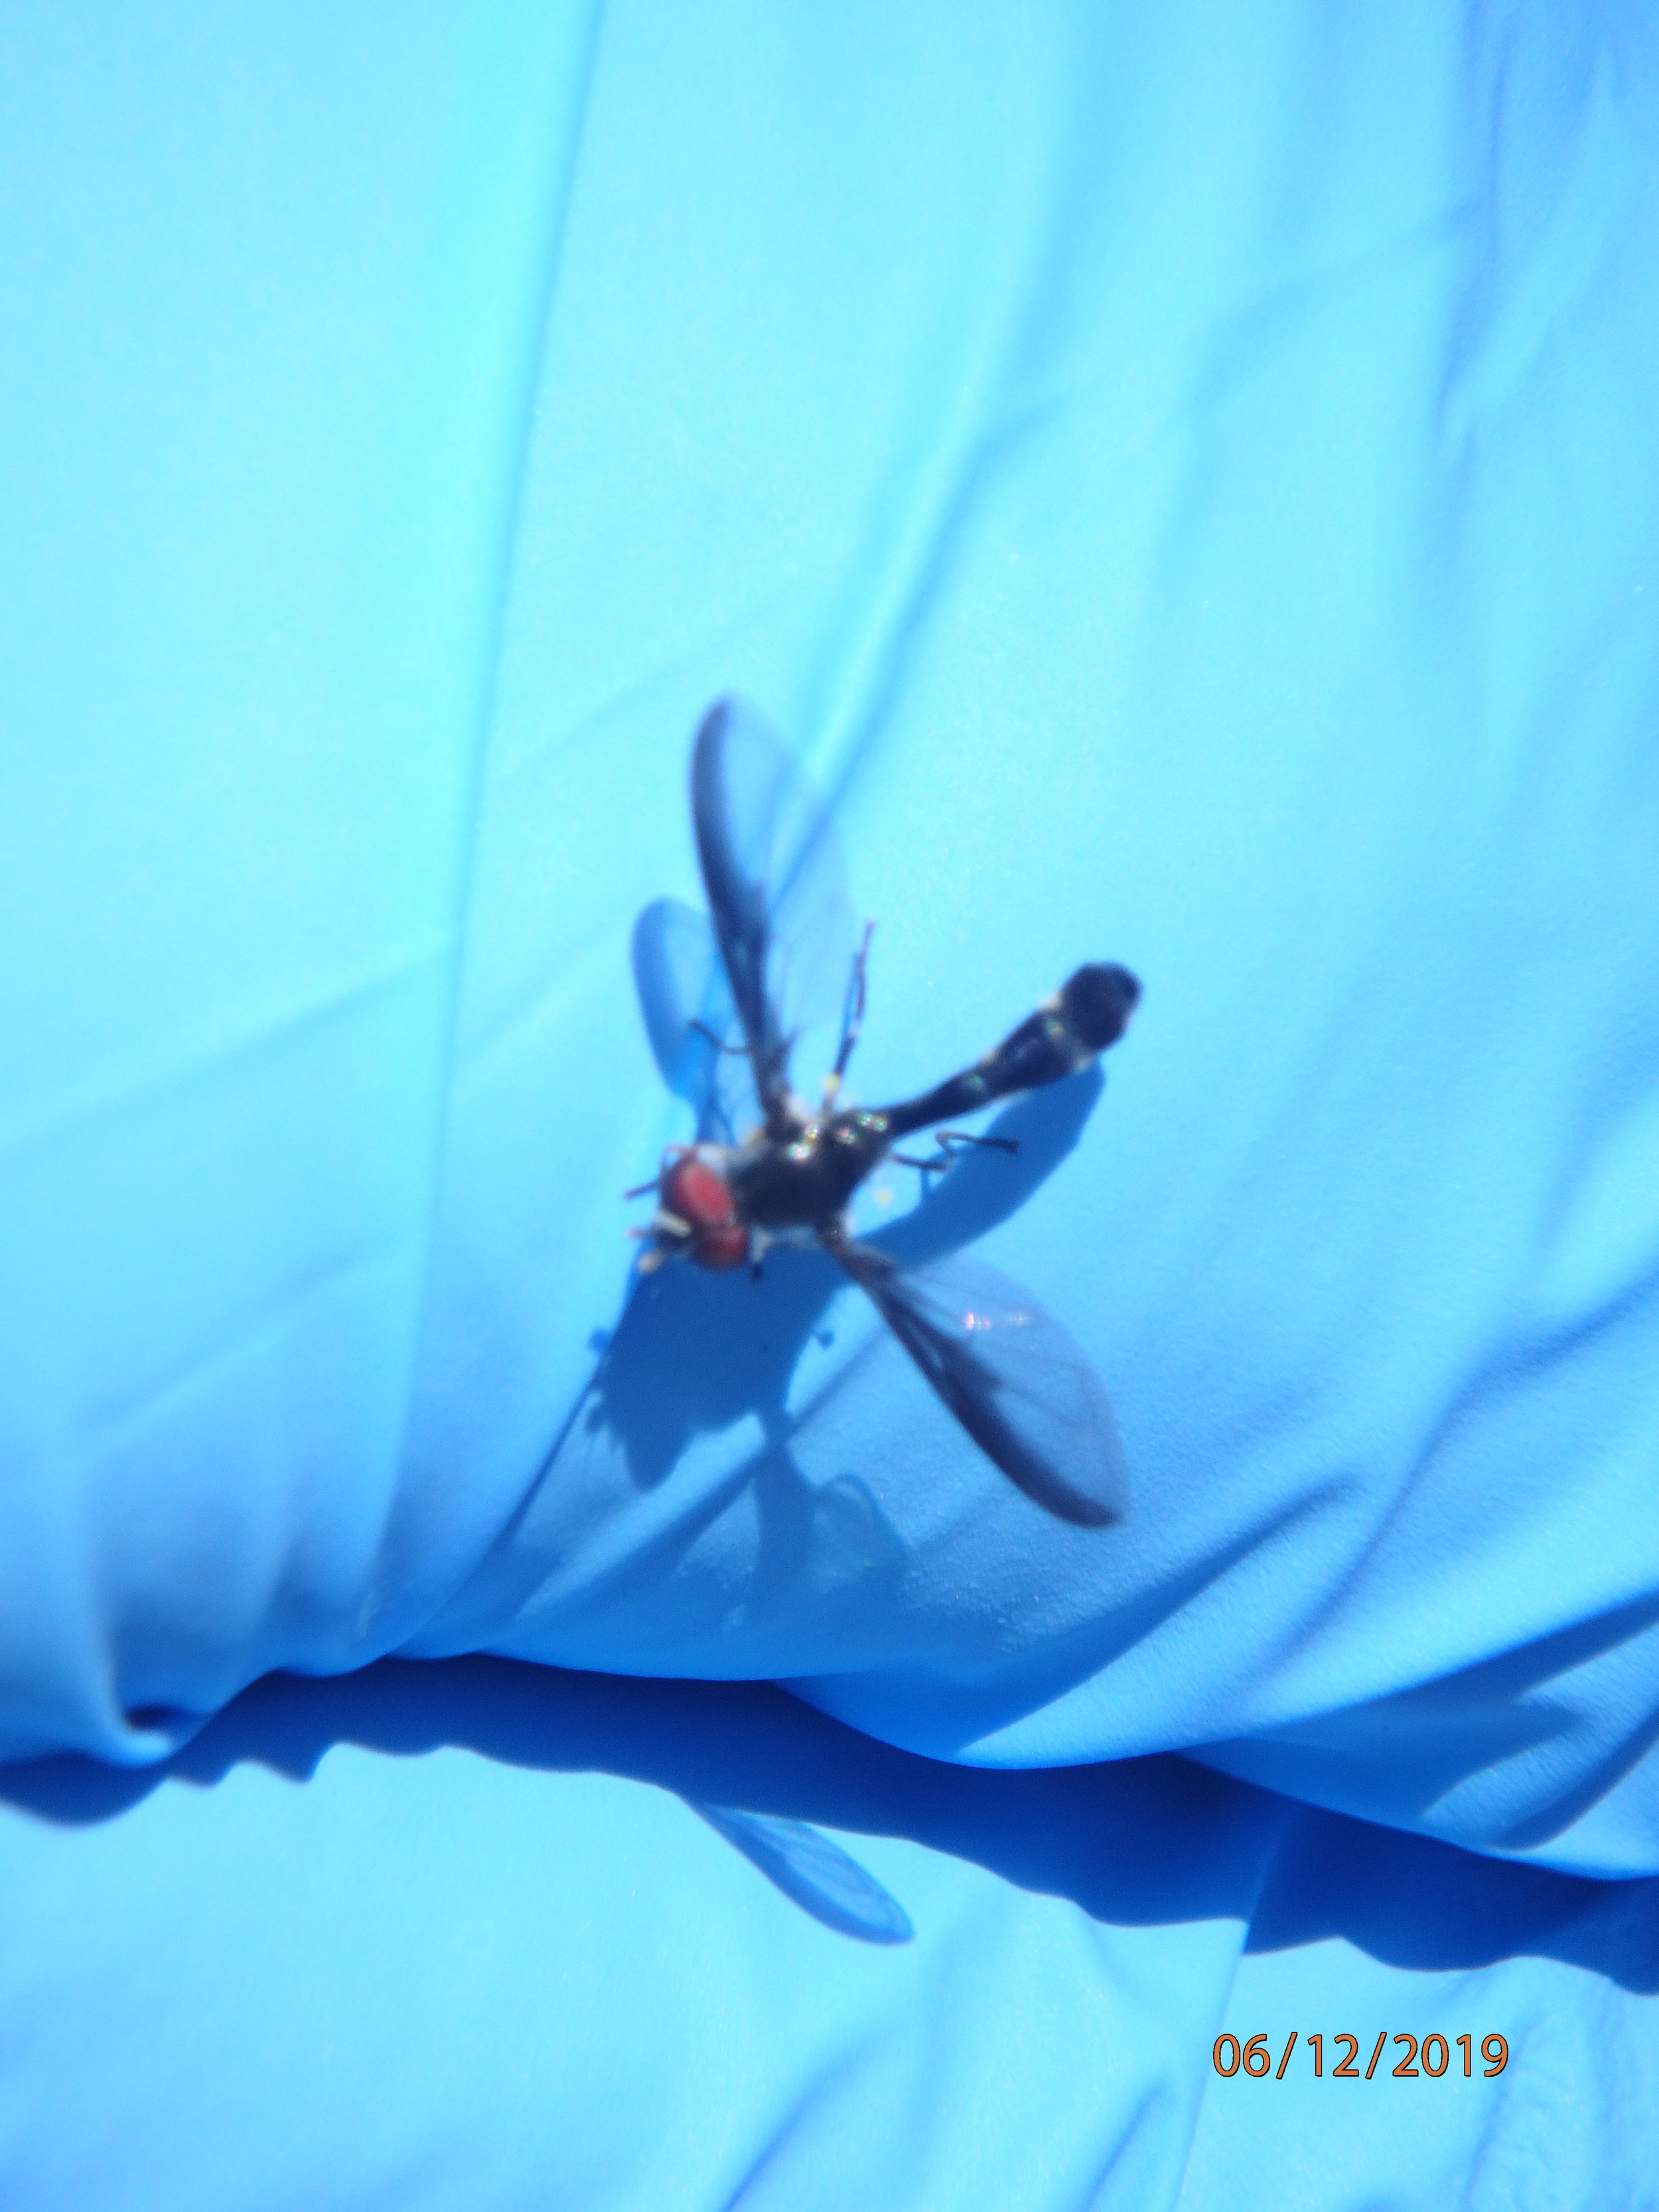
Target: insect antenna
x,y
851,1020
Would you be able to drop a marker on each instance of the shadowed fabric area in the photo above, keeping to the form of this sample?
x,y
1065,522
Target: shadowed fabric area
x,y
460,1915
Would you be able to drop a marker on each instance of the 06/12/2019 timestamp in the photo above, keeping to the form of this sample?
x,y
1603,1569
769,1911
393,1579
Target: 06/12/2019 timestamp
x,y
1432,2056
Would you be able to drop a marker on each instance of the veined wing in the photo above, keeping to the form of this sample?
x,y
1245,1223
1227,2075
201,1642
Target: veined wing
x,y
777,892
690,1020
1024,1391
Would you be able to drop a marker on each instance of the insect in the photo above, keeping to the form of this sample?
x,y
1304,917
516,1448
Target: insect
x,y
771,870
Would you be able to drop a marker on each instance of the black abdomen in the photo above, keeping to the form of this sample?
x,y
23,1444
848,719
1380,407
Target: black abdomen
x,y
1086,1014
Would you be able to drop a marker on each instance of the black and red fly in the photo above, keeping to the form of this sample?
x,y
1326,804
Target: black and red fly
x,y
769,1168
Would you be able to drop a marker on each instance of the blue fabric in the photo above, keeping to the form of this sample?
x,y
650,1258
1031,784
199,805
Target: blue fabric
x,y
459,1935
272,288
1184,478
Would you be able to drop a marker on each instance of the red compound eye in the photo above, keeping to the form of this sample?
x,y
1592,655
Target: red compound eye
x,y
693,1190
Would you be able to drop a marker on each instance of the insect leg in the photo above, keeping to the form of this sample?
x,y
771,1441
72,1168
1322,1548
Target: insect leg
x,y
674,1152
947,1138
851,1020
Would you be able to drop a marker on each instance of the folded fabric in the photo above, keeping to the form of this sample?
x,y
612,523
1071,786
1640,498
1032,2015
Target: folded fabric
x,y
457,1934
1185,483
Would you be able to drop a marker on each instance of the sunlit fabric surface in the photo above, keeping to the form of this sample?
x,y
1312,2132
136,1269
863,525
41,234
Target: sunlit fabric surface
x,y
1186,480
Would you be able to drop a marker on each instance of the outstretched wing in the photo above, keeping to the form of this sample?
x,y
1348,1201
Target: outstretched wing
x,y
1024,1391
777,891
689,1018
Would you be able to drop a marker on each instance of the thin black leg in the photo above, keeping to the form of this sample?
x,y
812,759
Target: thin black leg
x,y
947,1140
851,1020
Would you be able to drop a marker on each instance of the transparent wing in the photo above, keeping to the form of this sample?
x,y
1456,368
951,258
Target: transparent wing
x,y
686,1003
1024,1391
681,982
777,891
